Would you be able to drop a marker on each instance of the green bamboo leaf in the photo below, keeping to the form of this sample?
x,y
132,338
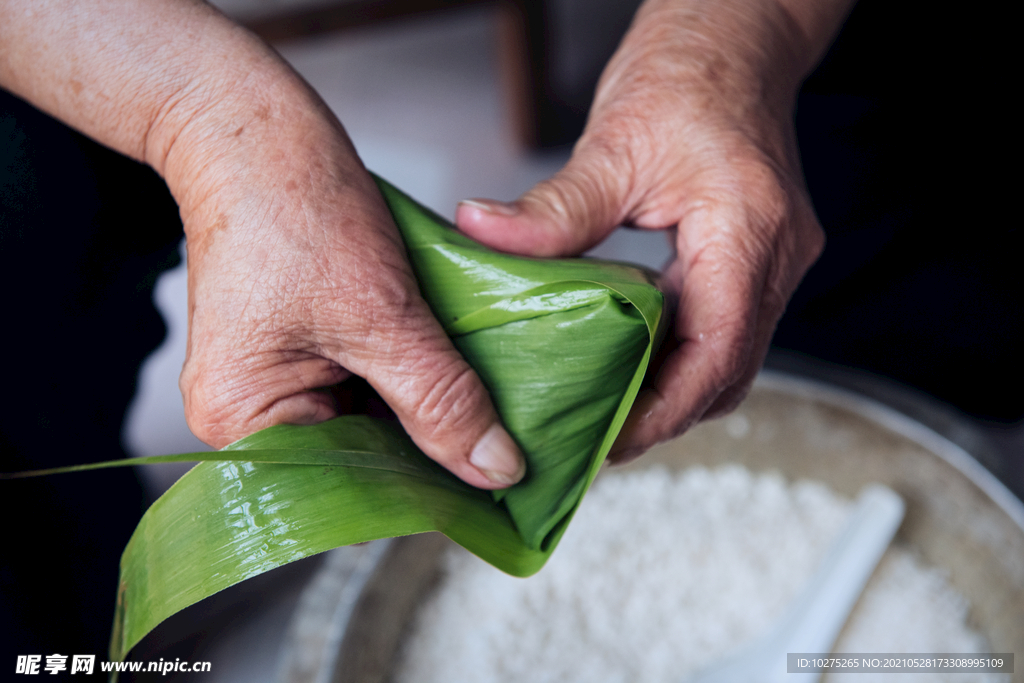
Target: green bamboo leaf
x,y
562,345
225,521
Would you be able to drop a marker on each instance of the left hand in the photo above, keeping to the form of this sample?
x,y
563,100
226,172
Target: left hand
x,y
298,276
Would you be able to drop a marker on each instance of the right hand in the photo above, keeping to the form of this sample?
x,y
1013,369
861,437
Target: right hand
x,y
690,132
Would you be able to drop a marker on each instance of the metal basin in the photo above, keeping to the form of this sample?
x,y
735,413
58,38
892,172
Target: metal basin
x,y
959,518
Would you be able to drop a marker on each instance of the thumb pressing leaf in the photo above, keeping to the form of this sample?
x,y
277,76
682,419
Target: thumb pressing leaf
x,y
561,345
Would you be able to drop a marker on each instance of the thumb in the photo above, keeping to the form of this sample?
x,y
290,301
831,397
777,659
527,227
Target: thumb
x,y
564,215
443,405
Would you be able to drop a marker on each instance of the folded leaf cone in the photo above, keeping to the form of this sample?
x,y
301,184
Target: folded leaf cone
x,y
562,346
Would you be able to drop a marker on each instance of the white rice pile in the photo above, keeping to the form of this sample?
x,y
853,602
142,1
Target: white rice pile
x,y
662,574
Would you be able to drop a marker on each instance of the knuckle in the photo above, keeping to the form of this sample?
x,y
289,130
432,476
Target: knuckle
x,y
732,362
729,349
773,301
206,413
447,405
581,203
814,242
218,400
590,190
770,207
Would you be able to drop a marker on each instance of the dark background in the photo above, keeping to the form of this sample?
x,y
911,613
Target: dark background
x,y
909,151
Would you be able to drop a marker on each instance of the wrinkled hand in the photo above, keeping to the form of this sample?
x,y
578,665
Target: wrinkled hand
x,y
297,274
298,279
690,132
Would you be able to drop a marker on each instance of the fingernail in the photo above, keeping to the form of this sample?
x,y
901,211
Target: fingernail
x,y
497,457
491,206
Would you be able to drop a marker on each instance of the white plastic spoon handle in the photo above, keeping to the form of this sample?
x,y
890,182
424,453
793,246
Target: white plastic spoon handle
x,y
813,620
825,604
